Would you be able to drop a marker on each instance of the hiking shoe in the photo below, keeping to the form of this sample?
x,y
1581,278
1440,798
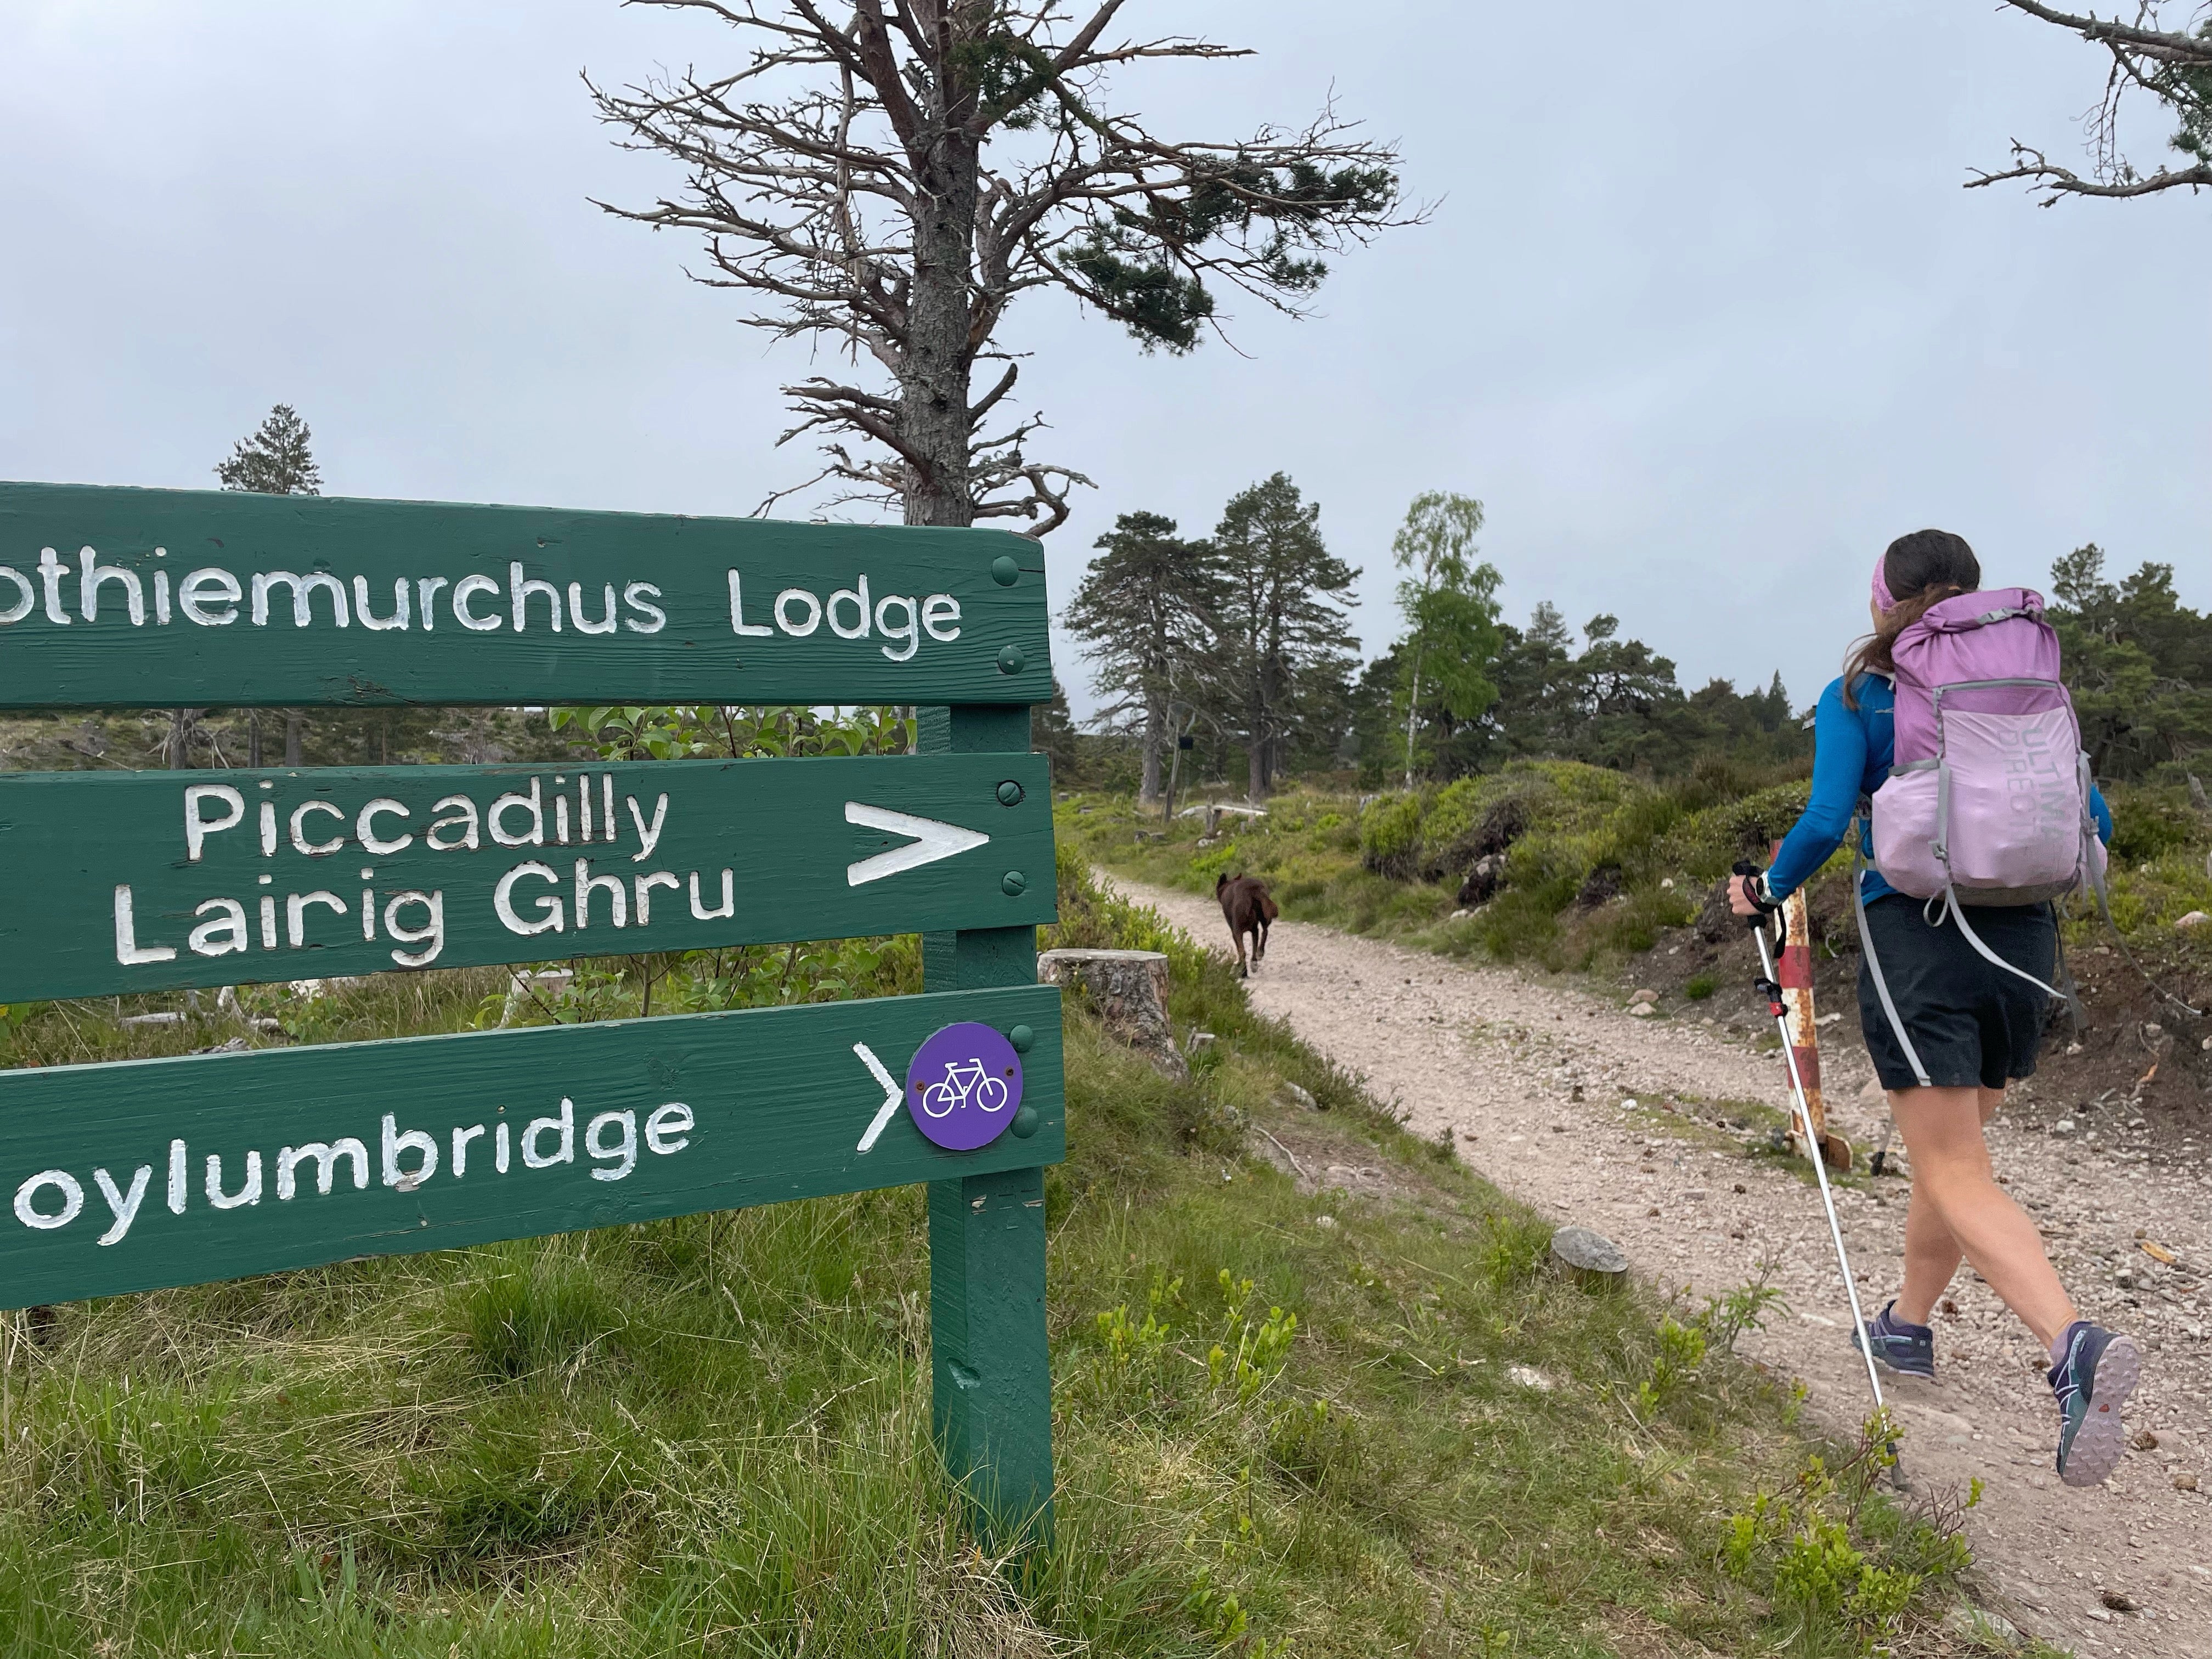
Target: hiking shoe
x,y
1906,1349
2097,1373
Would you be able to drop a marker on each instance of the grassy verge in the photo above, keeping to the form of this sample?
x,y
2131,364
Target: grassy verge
x,y
1346,1417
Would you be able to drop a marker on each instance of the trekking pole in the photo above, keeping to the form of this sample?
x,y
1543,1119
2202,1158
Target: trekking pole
x,y
1771,990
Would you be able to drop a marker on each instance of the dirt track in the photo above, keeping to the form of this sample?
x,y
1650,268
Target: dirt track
x,y
1500,1058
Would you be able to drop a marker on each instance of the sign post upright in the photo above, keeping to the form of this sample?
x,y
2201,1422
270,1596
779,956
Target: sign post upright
x,y
990,1371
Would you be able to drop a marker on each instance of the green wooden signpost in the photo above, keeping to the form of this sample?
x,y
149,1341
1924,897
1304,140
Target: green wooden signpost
x,y
155,880
135,1174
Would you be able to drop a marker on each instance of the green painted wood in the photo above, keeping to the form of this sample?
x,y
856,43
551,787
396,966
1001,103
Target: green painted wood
x,y
990,1365
153,881
777,1102
114,614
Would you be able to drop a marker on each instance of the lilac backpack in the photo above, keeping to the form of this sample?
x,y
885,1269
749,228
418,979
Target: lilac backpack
x,y
1987,801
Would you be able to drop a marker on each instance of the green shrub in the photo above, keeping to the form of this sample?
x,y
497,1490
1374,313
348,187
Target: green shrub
x,y
1390,835
1701,986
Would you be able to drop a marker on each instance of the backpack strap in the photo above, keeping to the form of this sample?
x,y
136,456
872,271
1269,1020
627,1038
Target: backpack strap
x,y
1874,965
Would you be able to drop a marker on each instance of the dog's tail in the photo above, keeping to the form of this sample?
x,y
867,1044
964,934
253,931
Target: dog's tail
x,y
1268,905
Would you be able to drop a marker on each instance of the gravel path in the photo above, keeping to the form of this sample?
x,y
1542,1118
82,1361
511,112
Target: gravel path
x,y
1561,1098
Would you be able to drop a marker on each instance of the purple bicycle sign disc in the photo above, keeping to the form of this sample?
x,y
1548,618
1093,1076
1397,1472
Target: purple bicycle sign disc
x,y
963,1086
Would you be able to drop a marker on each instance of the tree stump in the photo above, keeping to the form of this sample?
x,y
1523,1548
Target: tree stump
x,y
1130,988
1595,1259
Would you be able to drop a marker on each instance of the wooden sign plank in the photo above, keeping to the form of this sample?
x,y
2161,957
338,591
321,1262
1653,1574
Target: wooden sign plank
x,y
155,880
163,597
132,1175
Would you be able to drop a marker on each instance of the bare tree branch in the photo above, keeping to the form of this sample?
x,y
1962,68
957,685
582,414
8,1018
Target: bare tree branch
x,y
2174,66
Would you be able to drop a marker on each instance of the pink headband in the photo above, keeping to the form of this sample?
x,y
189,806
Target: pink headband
x,y
1882,594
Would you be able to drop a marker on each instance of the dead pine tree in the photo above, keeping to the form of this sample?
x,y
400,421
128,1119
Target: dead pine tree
x,y
883,181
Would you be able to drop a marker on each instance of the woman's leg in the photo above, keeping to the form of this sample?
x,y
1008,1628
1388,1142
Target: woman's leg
x,y
1931,1254
1942,1131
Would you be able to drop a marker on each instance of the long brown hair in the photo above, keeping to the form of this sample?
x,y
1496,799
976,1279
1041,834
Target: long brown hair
x,y
1920,570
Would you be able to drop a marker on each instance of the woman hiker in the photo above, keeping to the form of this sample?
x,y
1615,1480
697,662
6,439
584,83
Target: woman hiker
x,y
1973,1026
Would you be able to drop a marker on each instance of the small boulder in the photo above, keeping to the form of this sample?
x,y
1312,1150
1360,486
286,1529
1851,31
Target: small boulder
x,y
1643,996
1642,1011
2194,919
1293,1094
1983,1629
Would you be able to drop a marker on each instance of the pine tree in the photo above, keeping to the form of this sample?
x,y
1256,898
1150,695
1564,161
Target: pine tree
x,y
1146,612
1284,633
1052,734
273,460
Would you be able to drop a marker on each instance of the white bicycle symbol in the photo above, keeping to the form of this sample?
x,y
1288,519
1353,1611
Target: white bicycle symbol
x,y
964,1084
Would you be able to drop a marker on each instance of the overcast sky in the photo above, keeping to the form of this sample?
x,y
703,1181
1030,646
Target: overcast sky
x,y
1702,315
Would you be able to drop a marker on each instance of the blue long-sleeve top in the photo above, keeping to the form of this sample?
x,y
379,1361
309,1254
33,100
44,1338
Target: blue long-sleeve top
x,y
1852,752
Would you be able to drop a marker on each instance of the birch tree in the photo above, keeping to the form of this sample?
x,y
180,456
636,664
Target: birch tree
x,y
1450,605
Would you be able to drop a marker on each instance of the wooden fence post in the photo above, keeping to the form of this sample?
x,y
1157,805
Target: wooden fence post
x,y
991,1373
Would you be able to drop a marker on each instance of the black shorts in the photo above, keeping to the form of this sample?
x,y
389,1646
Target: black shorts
x,y
1970,1021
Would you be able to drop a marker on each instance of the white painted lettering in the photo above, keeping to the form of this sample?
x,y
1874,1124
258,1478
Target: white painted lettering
x,y
27,1209
51,572
326,1156
27,595
729,899
430,935
128,950
606,624
396,620
198,827
940,616
268,920
644,884
466,589
395,1141
907,631
95,575
176,1177
622,1154
669,1128
463,817
461,1139
563,1127
295,913
587,883
315,850
738,622
583,809
858,594
210,597
426,590
550,917
268,828
533,803
123,1206
364,829
304,589
519,588
160,593
634,596
814,612
499,1145
607,802
248,1193
223,933
650,837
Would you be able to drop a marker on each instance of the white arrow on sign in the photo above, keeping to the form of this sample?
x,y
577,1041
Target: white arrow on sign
x,y
934,841
891,1095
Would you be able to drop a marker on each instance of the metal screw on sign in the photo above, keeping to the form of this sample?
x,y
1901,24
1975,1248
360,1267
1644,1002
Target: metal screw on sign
x,y
1004,571
1014,884
1010,793
1012,662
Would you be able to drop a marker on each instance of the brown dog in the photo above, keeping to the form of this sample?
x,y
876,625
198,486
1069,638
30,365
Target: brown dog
x,y
1249,907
